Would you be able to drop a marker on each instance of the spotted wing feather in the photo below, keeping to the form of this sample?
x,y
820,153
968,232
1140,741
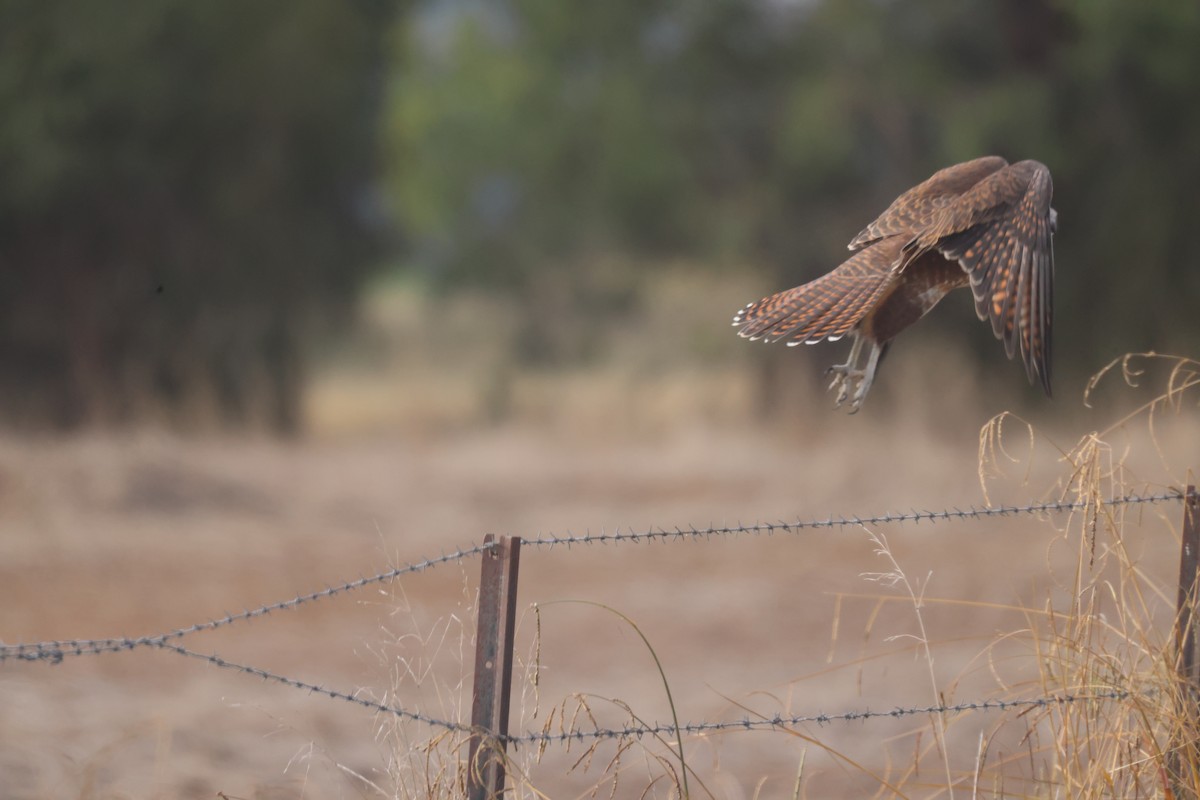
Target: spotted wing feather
x,y
1001,235
828,307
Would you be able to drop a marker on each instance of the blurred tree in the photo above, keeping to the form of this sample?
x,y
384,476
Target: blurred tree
x,y
184,200
525,137
529,136
1128,112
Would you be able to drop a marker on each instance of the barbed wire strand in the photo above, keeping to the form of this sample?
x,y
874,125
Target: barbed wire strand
x,y
312,688
914,516
782,721
55,651
639,731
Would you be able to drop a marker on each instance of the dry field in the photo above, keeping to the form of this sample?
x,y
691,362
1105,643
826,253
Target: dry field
x,y
136,534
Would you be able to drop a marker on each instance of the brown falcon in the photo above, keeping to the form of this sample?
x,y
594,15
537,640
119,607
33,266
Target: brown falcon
x,y
986,224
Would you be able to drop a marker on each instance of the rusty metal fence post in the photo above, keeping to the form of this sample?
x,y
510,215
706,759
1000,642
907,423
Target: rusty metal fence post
x,y
1189,575
1181,775
493,667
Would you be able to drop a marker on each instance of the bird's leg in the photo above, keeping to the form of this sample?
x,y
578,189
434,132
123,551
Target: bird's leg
x,y
843,374
865,377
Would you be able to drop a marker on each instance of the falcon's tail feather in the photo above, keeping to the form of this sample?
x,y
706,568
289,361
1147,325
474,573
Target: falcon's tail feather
x,y
843,316
826,308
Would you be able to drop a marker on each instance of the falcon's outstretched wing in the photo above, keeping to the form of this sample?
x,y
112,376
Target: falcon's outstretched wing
x,y
828,307
1000,231
915,210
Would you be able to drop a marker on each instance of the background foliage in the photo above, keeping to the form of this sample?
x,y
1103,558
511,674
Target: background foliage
x,y
768,133
190,194
182,191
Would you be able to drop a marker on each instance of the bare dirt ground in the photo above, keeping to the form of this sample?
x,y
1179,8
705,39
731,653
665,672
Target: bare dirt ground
x,y
138,534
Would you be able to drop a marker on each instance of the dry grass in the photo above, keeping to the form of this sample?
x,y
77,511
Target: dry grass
x,y
1113,631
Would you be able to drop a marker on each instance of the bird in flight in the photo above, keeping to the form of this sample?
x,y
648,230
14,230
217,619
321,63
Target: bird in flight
x,y
985,223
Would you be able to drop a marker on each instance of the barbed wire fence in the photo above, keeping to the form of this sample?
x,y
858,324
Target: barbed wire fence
x,y
493,610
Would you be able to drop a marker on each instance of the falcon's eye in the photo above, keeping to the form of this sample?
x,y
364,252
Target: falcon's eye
x,y
1053,221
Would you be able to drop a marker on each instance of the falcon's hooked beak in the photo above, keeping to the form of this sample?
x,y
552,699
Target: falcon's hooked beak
x,y
1053,221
